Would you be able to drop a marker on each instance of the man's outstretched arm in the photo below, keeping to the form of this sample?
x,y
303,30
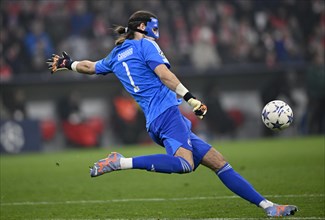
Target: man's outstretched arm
x,y
56,63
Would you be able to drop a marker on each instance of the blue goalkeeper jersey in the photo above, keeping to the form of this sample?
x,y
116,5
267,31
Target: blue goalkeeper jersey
x,y
133,62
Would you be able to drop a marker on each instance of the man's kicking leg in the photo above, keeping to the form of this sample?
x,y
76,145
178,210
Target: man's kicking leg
x,y
237,184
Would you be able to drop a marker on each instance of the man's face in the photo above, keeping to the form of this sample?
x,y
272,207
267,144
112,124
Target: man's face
x,y
152,28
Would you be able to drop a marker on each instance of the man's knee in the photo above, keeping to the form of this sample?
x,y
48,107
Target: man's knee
x,y
213,160
186,158
187,167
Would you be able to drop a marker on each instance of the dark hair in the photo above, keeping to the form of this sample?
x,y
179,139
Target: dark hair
x,y
134,21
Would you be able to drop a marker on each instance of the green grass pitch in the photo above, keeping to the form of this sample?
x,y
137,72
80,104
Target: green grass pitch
x,y
58,185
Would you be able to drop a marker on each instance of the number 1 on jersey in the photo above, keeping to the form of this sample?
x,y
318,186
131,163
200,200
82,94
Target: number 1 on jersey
x,y
135,88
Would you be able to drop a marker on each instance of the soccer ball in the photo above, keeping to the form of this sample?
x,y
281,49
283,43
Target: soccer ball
x,y
277,115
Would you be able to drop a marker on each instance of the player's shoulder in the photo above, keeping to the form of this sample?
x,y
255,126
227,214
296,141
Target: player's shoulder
x,y
147,42
143,43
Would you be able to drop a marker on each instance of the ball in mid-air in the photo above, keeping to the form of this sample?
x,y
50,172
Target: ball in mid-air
x,y
277,115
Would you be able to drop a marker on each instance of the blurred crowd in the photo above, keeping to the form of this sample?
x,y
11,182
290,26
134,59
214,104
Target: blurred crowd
x,y
204,34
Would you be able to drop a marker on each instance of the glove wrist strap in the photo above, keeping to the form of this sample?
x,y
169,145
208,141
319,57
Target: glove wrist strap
x,y
73,66
188,96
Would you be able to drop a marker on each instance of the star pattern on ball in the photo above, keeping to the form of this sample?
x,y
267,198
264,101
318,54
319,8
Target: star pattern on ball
x,y
265,115
277,107
290,119
276,125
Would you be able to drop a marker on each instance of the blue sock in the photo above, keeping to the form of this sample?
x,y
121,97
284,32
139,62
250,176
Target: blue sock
x,y
162,163
238,184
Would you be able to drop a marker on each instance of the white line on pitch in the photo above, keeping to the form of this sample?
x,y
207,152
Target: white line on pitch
x,y
149,200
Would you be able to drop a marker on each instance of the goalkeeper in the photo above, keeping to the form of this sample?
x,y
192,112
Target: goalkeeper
x,y
144,71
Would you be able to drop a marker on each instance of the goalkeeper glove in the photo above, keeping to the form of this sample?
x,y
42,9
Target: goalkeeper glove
x,y
57,63
199,108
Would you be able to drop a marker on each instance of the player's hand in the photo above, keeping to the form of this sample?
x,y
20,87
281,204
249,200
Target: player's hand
x,y
199,108
57,63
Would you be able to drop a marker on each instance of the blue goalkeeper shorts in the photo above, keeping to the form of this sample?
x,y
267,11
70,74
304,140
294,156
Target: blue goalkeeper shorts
x,y
172,130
